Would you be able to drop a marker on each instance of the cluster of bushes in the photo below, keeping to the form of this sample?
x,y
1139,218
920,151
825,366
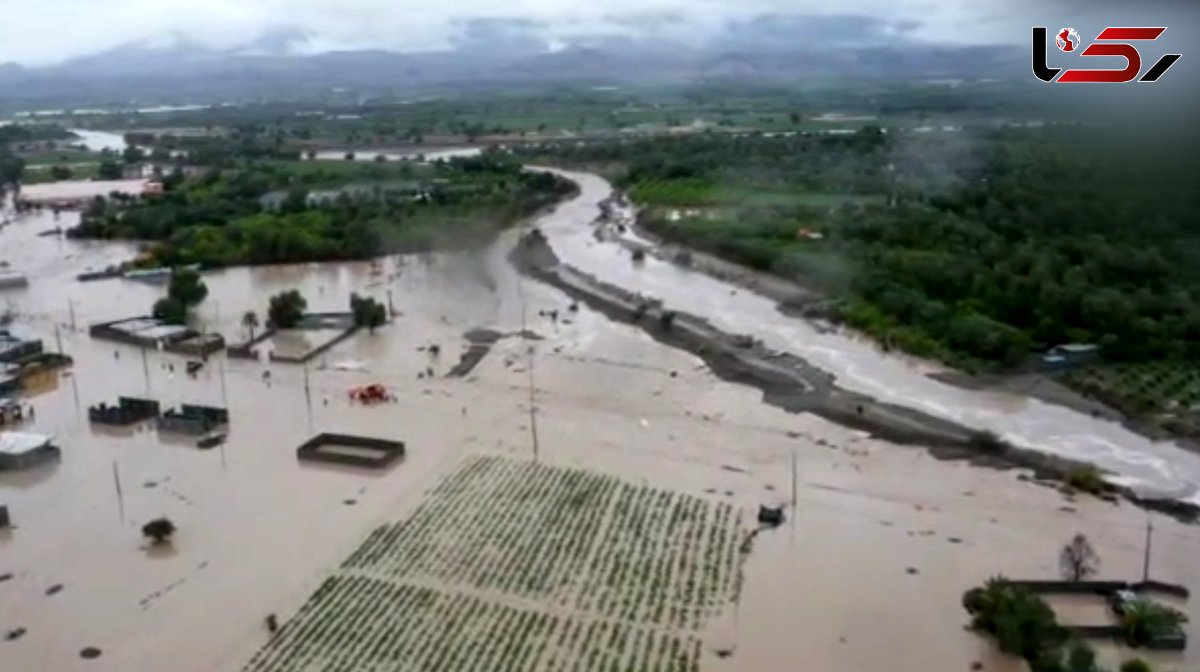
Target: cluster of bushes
x,y
1024,625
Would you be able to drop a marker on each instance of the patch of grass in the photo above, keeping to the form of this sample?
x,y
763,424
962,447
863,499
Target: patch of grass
x,y
1087,479
60,155
1165,393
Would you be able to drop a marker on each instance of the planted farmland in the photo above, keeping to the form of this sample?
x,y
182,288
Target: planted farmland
x,y
516,565
1166,392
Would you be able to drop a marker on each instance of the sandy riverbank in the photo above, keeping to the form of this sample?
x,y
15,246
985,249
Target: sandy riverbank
x,y
830,590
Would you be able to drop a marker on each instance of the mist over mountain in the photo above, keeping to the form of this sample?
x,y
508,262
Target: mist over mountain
x,y
292,63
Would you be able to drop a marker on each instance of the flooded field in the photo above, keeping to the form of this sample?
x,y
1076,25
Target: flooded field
x,y
866,574
72,190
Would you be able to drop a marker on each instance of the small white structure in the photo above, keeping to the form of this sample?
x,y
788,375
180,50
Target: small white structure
x,y
21,450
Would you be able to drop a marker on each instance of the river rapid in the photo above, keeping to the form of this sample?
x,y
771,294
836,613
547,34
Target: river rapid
x,y
1152,468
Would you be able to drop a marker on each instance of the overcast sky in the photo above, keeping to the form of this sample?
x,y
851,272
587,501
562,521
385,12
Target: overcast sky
x,y
45,31
38,32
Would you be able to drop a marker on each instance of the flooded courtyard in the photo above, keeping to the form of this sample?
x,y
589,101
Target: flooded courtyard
x,y
866,574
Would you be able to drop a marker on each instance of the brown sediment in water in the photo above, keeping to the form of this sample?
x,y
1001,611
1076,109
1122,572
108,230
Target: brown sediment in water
x,y
259,532
791,383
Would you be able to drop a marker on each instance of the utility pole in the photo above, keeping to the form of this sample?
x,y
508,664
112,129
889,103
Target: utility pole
x,y
120,497
532,408
146,369
71,310
308,397
1146,559
793,481
58,338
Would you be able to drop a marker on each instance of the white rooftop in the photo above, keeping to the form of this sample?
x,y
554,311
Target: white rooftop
x,y
162,331
18,443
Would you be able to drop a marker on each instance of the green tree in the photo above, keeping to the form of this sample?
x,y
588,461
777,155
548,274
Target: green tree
x,y
1078,560
250,322
59,173
132,155
187,288
286,309
1081,658
1143,620
170,310
1021,622
1136,665
295,201
367,312
11,167
109,170
159,530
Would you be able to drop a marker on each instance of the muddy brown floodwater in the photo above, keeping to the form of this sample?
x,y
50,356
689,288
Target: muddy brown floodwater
x,y
866,574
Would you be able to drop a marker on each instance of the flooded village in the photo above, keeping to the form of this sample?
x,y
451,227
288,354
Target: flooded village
x,y
865,570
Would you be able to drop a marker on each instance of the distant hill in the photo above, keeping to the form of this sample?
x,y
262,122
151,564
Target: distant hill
x,y
289,64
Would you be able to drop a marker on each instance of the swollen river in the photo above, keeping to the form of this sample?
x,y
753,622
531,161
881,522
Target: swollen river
x,y
1153,468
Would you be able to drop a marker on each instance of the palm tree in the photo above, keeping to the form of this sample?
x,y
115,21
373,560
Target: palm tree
x,y
1143,620
250,322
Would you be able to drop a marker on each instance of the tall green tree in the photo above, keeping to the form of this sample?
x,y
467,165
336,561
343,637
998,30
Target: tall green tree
x,y
368,312
286,309
109,170
186,287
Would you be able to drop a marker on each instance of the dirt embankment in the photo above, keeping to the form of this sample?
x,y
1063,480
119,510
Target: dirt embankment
x,y
790,382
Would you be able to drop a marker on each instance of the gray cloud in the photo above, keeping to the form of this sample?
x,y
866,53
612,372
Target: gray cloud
x,y
36,32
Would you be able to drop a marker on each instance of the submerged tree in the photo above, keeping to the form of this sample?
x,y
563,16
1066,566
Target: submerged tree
x,y
170,310
187,287
1081,658
159,530
185,290
1143,620
1078,560
286,309
250,322
109,170
368,312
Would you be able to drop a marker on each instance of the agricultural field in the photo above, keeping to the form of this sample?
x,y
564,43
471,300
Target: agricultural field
x,y
674,192
700,192
521,566
1168,392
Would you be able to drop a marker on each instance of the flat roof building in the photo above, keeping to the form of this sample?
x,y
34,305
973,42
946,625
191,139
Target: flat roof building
x,y
21,450
13,348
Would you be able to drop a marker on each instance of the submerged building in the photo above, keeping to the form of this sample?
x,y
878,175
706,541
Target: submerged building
x,y
149,332
13,348
20,450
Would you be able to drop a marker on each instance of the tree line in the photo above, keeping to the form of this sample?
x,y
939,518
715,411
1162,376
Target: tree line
x,y
977,247
262,212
